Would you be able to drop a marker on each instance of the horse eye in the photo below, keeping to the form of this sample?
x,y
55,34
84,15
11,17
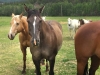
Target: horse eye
x,y
17,23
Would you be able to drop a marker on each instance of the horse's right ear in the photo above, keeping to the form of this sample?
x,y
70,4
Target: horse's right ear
x,y
13,14
26,8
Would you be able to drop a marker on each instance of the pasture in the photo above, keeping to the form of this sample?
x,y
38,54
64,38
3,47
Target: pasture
x,y
11,55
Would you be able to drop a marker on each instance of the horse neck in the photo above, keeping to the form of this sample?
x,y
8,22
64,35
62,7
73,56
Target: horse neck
x,y
25,26
45,30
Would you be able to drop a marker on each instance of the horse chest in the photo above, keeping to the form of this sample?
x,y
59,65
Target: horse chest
x,y
39,53
26,43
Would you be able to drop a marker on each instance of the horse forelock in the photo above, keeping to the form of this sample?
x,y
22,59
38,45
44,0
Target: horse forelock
x,y
15,18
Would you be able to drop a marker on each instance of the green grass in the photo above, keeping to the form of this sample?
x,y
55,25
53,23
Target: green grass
x,y
11,56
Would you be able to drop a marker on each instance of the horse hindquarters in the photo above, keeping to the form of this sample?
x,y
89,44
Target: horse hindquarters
x,y
81,66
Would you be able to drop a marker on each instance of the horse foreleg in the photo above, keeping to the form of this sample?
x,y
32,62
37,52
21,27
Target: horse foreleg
x,y
70,32
94,65
37,66
52,63
24,59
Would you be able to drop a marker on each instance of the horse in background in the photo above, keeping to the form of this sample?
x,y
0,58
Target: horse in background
x,y
87,45
73,25
45,41
19,25
83,21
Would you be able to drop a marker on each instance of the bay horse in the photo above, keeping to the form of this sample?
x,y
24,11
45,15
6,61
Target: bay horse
x,y
19,25
46,38
87,45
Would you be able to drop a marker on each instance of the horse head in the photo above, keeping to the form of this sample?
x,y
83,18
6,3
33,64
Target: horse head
x,y
34,19
81,22
16,26
69,22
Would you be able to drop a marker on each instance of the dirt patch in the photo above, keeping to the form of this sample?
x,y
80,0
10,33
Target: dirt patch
x,y
63,22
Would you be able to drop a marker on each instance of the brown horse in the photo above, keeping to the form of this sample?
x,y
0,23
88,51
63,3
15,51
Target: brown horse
x,y
19,25
87,45
46,38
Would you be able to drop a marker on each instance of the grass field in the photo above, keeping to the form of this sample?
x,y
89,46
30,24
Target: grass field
x,y
11,56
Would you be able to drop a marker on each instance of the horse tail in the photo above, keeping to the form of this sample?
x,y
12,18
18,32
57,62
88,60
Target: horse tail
x,y
86,69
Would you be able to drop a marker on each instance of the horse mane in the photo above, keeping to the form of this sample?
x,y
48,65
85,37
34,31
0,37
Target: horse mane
x,y
46,26
25,24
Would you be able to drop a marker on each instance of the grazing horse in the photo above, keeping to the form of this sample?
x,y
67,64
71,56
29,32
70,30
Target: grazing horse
x,y
46,38
19,25
73,24
87,45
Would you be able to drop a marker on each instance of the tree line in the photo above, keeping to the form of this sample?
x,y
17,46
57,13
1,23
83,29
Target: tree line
x,y
55,9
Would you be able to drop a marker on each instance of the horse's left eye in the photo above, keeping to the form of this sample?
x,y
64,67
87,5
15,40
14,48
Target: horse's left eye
x,y
17,23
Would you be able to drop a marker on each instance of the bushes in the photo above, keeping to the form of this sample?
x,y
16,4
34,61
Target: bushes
x,y
56,9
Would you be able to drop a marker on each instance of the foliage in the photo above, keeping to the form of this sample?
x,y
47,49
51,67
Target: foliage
x,y
55,7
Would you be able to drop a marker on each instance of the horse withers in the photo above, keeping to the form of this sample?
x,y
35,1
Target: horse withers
x,y
87,45
46,38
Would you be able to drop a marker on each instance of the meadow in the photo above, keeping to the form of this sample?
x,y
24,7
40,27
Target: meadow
x,y
11,56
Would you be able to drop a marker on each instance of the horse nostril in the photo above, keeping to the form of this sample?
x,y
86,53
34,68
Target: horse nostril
x,y
38,41
8,35
11,35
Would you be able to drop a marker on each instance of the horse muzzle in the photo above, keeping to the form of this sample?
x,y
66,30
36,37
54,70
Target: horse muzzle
x,y
35,42
69,24
11,36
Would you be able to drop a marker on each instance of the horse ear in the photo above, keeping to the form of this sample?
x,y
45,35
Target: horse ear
x,y
13,14
21,15
26,8
41,9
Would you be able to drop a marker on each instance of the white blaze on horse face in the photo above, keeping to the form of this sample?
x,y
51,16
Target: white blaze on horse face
x,y
12,27
34,23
